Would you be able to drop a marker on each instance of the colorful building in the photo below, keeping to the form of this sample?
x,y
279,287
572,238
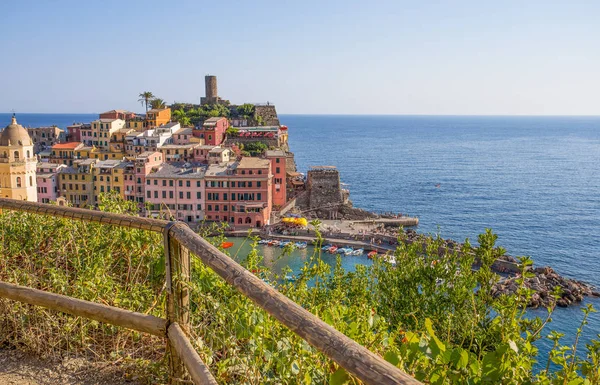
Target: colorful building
x,y
47,181
177,191
212,131
45,137
178,152
157,117
76,183
74,131
18,164
183,136
100,132
239,193
108,176
136,173
66,153
118,114
277,159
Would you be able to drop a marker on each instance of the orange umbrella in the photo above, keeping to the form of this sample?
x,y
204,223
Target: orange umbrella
x,y
226,245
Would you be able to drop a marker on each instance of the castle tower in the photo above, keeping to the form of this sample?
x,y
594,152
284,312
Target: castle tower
x,y
210,84
18,163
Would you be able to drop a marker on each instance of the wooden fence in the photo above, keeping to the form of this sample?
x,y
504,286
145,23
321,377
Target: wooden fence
x,y
180,241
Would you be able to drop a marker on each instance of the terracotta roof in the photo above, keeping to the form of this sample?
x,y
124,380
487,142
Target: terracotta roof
x,y
68,145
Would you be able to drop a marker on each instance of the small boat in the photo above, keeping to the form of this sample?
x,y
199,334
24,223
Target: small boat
x,y
326,247
349,251
390,259
301,245
332,249
358,252
290,278
274,243
341,250
372,254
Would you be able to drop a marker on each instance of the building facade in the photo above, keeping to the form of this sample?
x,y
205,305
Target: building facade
x,y
212,131
45,137
18,163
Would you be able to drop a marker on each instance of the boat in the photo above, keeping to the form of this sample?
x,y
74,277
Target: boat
x,y
358,252
274,243
290,278
326,247
349,251
332,249
390,259
301,245
264,241
341,250
372,254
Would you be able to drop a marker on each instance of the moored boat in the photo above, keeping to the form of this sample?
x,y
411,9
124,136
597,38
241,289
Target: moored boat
x,y
358,252
372,254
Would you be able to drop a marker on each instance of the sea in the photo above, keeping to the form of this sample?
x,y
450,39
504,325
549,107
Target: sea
x,y
535,181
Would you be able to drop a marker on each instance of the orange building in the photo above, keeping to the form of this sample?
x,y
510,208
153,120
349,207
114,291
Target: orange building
x,y
158,116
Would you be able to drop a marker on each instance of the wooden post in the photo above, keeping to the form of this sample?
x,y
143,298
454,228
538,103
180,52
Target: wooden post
x,y
177,266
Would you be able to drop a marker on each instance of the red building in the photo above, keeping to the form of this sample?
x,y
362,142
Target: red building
x,y
117,114
212,131
74,131
277,159
239,193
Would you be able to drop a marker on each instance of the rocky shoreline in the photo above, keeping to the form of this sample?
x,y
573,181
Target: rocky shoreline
x,y
543,283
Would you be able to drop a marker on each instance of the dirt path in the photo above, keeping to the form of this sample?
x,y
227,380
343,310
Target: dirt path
x,y
18,368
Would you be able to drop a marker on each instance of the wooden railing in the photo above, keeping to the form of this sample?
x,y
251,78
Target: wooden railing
x,y
180,241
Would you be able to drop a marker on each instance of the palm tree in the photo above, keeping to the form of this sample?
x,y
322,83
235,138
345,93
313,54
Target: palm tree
x,y
145,98
157,103
178,115
184,121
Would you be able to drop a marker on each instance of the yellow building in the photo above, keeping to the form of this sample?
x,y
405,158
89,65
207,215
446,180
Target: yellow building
x,y
138,123
18,164
109,175
158,116
76,183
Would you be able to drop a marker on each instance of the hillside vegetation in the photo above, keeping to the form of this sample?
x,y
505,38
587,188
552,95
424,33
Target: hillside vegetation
x,y
434,317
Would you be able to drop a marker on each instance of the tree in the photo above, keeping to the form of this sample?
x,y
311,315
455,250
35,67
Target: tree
x,y
157,103
145,98
178,115
184,121
246,110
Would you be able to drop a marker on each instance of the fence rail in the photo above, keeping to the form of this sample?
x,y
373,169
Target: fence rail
x,y
180,241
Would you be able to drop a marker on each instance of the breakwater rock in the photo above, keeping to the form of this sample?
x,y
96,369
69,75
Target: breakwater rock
x,y
543,283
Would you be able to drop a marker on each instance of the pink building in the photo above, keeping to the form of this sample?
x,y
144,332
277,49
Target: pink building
x,y
277,159
136,173
239,193
74,131
201,153
47,181
177,191
117,114
183,136
212,130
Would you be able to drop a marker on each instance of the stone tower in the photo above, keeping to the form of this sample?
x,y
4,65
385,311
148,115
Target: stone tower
x,y
210,84
18,163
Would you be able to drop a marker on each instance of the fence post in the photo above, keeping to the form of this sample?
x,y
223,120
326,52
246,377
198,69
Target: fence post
x,y
177,267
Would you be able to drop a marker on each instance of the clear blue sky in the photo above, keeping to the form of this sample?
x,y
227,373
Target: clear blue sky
x,y
346,57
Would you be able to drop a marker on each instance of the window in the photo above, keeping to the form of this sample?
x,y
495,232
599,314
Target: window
x,y
155,182
216,207
249,184
164,194
277,170
171,194
19,181
156,194
276,160
149,194
225,207
209,207
258,196
164,182
189,195
181,195
199,207
258,184
198,194
31,181
148,182
198,185
224,196
187,183
180,183
259,172
171,183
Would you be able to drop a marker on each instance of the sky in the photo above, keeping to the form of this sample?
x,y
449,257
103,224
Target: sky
x,y
307,57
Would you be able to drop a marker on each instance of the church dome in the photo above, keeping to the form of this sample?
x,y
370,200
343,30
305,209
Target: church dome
x,y
14,135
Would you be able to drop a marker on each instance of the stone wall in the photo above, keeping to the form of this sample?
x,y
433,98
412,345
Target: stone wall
x,y
323,187
270,142
268,114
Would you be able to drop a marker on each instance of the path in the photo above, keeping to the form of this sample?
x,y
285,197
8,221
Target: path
x,y
18,368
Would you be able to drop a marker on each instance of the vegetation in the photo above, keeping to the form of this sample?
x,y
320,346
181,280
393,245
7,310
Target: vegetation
x,y
255,148
158,103
145,98
432,316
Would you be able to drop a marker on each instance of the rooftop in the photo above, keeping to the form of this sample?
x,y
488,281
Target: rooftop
x,y
252,162
274,153
105,120
117,111
179,146
220,169
187,170
109,163
184,131
66,146
155,110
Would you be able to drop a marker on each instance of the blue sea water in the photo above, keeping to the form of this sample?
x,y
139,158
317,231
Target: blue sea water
x,y
534,180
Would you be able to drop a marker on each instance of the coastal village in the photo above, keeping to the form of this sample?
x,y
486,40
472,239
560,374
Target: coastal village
x,y
213,163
